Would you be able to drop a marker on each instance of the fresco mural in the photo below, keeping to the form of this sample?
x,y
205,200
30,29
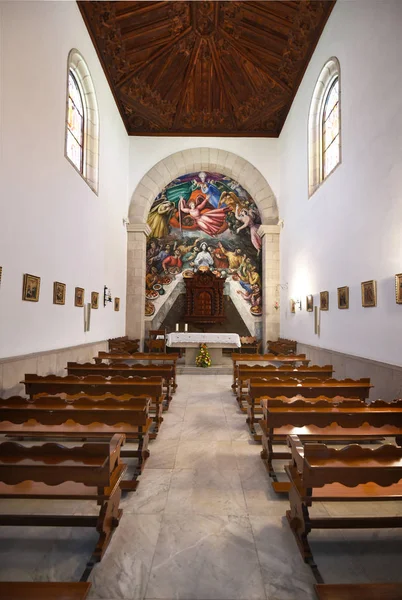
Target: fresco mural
x,y
204,219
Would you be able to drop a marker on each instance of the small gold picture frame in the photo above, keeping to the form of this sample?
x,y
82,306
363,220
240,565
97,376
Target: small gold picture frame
x,y
292,306
324,300
369,293
31,288
94,299
117,303
343,297
398,288
79,296
309,303
59,292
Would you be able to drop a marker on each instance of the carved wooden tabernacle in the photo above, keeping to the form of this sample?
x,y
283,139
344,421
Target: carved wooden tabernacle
x,y
204,299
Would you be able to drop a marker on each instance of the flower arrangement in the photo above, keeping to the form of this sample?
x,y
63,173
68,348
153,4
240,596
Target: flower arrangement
x,y
276,305
203,358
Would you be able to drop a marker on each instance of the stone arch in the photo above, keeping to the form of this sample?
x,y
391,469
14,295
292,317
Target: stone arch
x,y
199,159
160,175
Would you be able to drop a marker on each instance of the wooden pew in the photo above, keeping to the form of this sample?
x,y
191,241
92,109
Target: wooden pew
x,y
326,420
95,385
140,357
274,359
123,344
246,372
123,370
54,472
362,591
308,388
81,418
350,474
44,590
282,346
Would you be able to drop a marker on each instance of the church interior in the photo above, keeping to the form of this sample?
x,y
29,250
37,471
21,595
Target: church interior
x,y
200,300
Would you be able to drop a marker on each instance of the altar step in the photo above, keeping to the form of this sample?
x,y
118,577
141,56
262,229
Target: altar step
x,y
212,370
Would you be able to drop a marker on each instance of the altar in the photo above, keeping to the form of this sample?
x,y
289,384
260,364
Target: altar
x,y
191,342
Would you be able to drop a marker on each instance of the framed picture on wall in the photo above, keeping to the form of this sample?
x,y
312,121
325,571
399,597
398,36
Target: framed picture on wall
x,y
398,288
59,292
30,288
79,296
117,303
94,299
292,306
1,272
309,303
369,293
324,300
343,297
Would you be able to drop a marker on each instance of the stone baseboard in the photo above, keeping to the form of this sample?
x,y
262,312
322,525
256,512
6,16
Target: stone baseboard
x,y
386,378
12,370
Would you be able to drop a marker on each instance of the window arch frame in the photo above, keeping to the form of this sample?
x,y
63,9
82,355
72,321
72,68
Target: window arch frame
x,y
77,66
328,75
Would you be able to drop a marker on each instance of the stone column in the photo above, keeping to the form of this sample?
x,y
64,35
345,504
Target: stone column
x,y
270,282
136,265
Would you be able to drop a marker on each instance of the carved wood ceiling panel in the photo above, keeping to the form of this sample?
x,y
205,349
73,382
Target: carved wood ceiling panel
x,y
205,68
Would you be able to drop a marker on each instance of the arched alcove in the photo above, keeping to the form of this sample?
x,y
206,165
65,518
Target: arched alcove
x,y
176,165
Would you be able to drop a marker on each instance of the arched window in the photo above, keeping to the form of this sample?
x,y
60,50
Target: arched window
x,y
75,124
82,122
324,126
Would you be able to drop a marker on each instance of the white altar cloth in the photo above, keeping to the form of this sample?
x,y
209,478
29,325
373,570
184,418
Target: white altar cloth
x,y
193,340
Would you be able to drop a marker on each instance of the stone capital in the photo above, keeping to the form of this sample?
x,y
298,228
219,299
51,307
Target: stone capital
x,y
268,229
138,228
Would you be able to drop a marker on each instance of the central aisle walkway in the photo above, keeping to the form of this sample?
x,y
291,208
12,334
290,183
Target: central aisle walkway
x,y
204,523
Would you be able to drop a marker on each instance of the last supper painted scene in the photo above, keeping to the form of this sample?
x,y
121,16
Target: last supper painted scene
x,y
207,220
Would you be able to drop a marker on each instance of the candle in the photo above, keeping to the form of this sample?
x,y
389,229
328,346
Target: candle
x,y
177,327
185,326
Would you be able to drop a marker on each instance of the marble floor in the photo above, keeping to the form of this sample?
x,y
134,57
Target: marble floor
x,y
204,523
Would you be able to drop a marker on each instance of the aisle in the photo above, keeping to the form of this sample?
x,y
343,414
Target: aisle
x,y
204,523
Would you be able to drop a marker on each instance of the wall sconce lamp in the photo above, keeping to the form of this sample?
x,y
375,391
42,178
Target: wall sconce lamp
x,y
107,295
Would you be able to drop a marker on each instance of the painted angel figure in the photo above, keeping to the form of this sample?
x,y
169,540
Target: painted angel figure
x,y
210,222
247,218
208,188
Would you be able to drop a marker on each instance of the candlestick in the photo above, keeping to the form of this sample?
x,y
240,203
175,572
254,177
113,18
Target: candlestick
x,y
185,326
177,327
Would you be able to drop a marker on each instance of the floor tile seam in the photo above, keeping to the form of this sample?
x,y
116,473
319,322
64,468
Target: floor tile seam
x,y
258,558
162,521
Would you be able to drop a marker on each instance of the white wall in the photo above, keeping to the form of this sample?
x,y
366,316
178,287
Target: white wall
x,y
349,231
51,223
262,153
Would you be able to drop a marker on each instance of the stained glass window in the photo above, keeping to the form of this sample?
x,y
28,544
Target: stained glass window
x,y
75,124
330,130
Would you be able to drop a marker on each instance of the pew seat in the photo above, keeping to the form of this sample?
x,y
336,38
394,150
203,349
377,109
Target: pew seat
x,y
53,472
44,590
96,386
166,372
247,372
239,359
349,474
49,417
325,420
310,388
362,591
150,358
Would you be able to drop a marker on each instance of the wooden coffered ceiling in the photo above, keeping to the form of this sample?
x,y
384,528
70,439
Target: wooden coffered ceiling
x,y
205,68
